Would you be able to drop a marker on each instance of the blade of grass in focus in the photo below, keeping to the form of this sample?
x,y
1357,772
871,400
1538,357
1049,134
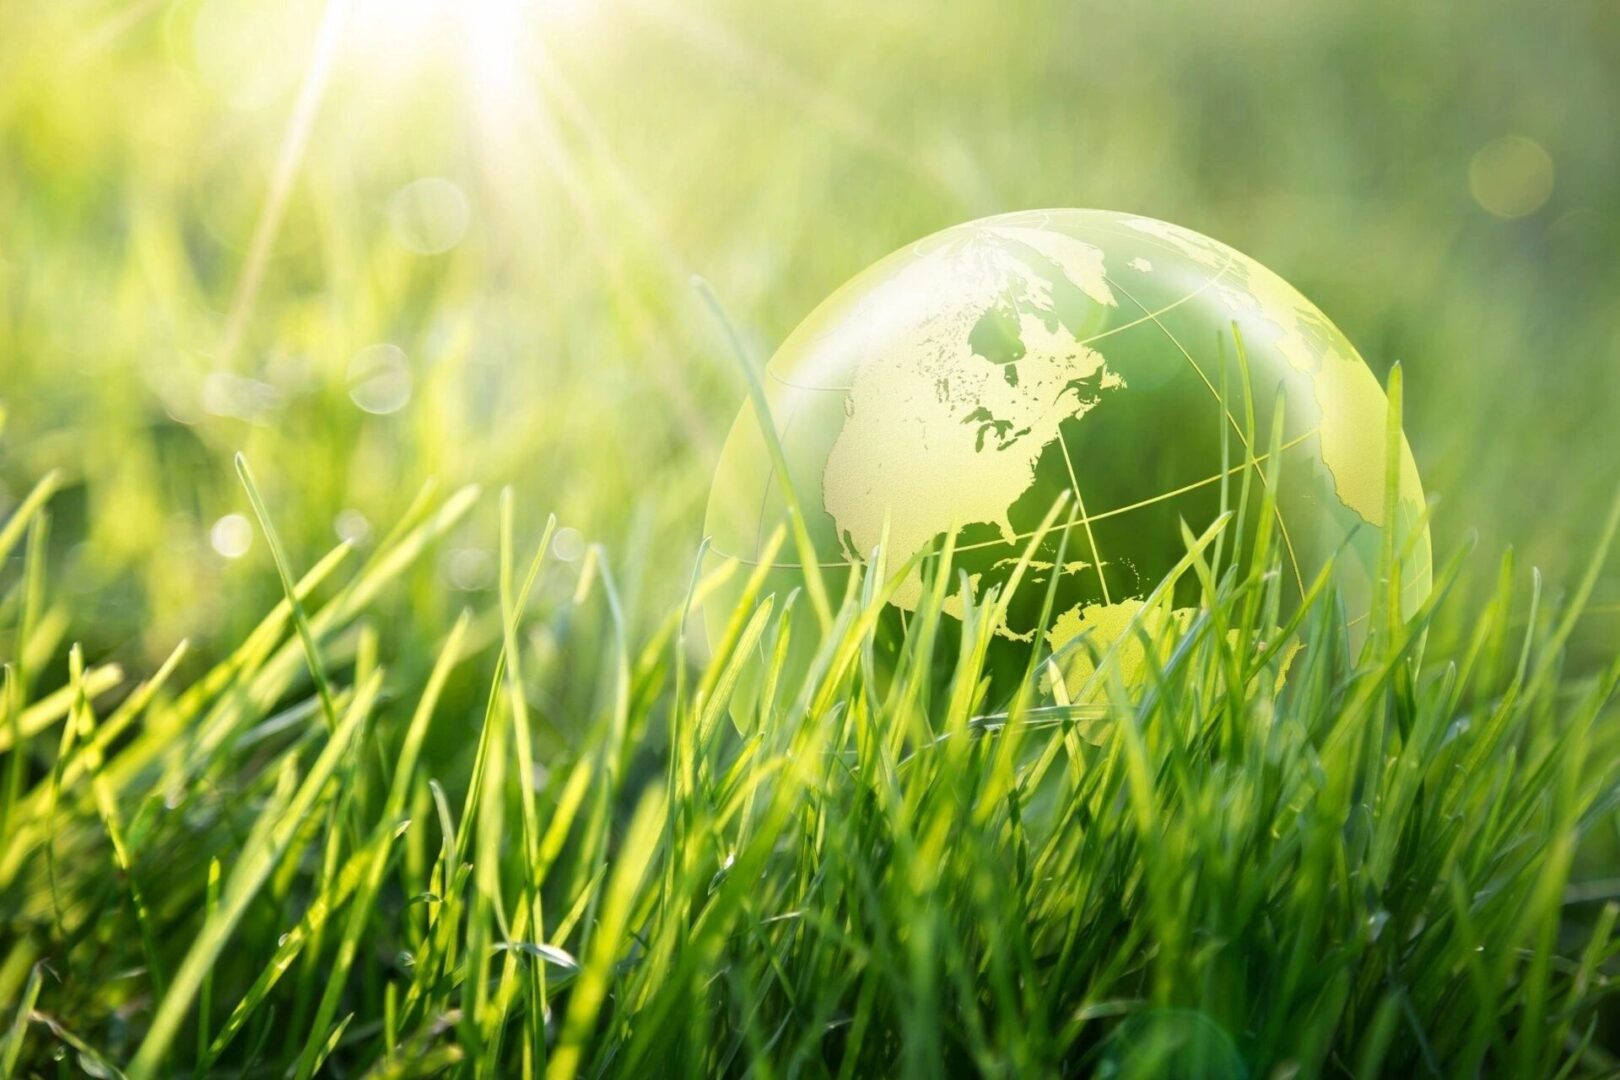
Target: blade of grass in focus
x,y
1362,858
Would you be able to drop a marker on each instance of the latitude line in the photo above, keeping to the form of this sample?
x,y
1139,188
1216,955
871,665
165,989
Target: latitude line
x,y
1154,315
1282,526
1252,462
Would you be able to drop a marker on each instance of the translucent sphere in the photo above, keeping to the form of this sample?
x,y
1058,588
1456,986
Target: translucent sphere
x,y
959,387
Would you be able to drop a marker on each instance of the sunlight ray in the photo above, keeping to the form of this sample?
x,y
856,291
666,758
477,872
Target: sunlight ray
x,y
289,158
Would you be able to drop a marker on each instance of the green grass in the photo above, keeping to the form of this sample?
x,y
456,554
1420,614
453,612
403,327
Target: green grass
x,y
477,801
318,854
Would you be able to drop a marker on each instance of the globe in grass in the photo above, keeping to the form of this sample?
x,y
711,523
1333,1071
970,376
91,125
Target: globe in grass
x,y
961,385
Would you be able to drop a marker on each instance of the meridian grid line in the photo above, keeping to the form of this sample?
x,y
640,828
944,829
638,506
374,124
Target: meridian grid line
x,y
1080,500
1282,526
765,494
1086,518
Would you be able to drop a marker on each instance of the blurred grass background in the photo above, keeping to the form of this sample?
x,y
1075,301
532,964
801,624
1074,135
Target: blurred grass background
x,y
477,226
378,243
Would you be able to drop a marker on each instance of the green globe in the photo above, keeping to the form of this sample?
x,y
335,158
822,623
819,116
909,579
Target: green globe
x,y
960,386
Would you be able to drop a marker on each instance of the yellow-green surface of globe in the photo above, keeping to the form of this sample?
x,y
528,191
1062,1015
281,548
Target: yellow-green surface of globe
x,y
957,388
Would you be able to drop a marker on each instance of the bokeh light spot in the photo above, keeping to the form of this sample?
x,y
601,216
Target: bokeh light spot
x,y
568,545
470,569
380,379
1511,176
429,215
252,54
231,536
351,526
224,394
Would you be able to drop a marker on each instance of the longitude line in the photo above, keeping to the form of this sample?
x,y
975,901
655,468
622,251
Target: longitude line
x,y
1282,526
1091,537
